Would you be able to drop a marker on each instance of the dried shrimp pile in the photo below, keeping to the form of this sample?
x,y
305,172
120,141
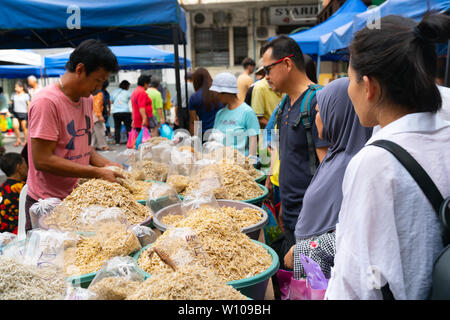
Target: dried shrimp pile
x,y
28,282
111,239
191,282
114,288
241,218
231,155
96,192
151,170
232,254
237,184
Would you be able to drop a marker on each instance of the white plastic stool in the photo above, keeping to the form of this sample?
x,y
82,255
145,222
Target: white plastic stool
x,y
21,234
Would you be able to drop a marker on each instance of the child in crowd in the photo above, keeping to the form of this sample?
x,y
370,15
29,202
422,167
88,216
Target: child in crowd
x,y
16,170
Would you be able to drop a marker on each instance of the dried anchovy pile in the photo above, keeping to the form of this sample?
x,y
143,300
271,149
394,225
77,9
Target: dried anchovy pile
x,y
151,170
27,282
178,182
96,192
237,184
110,240
241,218
114,288
231,155
233,255
191,282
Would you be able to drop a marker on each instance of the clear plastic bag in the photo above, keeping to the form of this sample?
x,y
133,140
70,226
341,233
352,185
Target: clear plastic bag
x,y
118,278
6,238
197,199
144,234
78,293
15,250
45,248
128,157
180,137
145,152
161,152
92,216
181,247
41,209
181,162
161,195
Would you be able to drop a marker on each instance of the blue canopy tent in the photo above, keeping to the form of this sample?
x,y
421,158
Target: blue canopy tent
x,y
23,71
128,57
61,23
309,40
415,9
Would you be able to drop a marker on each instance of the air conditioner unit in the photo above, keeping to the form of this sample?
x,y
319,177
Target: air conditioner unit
x,y
262,33
202,19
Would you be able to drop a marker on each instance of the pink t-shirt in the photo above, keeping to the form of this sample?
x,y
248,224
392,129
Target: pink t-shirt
x,y
53,116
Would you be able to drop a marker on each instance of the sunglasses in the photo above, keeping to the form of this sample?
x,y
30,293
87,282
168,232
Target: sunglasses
x,y
267,68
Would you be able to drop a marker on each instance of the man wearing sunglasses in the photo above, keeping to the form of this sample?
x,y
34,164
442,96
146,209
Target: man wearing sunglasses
x,y
284,66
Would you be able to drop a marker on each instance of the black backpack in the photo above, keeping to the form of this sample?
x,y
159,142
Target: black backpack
x,y
441,269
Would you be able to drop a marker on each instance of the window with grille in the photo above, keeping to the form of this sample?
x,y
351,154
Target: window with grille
x,y
211,47
240,44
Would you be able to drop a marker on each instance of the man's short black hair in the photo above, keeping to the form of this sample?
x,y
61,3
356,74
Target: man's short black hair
x,y
143,80
9,162
94,55
283,46
248,62
1,89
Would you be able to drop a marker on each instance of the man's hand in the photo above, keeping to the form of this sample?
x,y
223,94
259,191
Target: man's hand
x,y
289,258
114,164
108,175
269,187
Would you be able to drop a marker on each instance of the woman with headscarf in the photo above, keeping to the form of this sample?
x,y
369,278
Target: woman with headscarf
x,y
337,123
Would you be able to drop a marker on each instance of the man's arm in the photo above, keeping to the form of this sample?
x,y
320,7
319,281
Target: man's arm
x,y
45,160
262,122
161,116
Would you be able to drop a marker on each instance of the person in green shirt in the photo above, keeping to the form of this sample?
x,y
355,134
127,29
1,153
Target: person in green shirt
x,y
157,101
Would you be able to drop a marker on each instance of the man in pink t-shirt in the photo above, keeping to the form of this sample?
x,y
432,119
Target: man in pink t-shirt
x,y
60,127
142,109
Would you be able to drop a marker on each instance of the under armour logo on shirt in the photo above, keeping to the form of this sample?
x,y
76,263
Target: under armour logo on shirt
x,y
74,133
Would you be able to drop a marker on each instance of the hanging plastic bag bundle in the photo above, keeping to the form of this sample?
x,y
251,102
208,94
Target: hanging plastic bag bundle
x,y
118,278
132,137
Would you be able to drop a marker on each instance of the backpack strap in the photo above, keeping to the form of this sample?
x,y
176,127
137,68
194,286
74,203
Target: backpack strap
x,y
305,118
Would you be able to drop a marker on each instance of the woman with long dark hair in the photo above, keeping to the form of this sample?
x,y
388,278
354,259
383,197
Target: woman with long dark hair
x,y
21,104
203,104
388,235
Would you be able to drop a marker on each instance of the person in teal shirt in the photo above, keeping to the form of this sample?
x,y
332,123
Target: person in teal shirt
x,y
157,101
237,120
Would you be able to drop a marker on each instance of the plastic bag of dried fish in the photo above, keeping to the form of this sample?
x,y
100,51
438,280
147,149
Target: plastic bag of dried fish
x,y
179,248
45,248
178,182
128,157
161,152
199,198
118,278
42,208
181,162
144,234
95,215
161,195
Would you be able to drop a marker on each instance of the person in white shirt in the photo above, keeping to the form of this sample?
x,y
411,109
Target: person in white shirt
x,y
388,232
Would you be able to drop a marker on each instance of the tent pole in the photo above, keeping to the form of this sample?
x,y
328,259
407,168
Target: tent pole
x,y
177,63
185,74
447,69
318,67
